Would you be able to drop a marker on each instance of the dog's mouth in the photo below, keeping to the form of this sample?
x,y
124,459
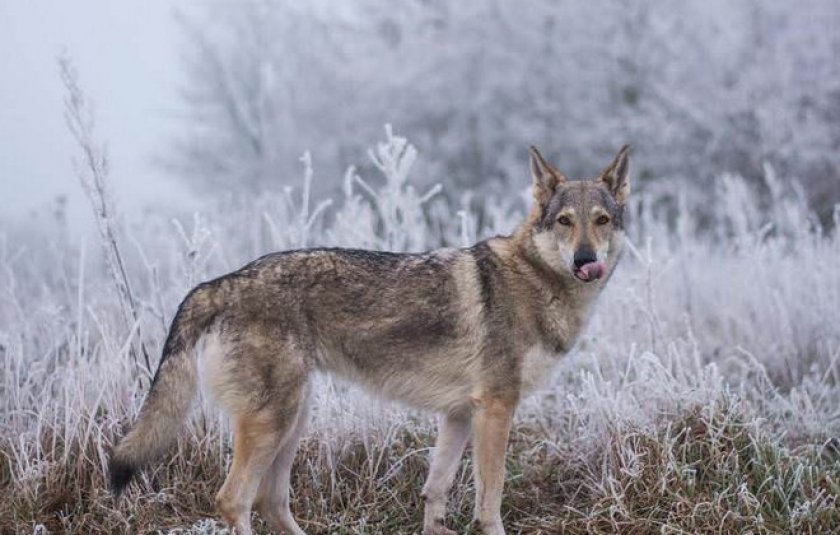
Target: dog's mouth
x,y
590,272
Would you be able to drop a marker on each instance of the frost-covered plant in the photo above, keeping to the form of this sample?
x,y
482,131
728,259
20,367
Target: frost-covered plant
x,y
710,367
93,174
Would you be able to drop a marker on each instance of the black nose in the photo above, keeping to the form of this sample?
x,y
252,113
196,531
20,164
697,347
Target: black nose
x,y
583,257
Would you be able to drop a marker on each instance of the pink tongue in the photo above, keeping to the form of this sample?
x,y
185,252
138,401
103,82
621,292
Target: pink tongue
x,y
591,271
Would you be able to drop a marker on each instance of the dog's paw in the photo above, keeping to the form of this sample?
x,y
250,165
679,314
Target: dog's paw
x,y
491,527
437,527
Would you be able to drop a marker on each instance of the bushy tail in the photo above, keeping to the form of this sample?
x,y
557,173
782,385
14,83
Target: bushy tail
x,y
172,392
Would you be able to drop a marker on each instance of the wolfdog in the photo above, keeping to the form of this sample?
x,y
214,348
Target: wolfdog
x,y
462,332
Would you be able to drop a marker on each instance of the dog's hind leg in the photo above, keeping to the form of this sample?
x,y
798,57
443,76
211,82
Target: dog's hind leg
x,y
259,434
255,444
452,438
273,496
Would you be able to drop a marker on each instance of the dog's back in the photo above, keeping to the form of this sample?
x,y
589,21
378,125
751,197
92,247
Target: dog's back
x,y
407,326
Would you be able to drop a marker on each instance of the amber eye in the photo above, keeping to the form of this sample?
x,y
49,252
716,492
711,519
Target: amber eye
x,y
602,220
564,220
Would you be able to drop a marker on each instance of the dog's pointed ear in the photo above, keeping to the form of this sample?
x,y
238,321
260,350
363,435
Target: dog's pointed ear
x,y
546,178
616,178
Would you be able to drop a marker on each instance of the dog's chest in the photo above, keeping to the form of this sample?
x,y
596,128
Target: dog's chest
x,y
537,366
559,324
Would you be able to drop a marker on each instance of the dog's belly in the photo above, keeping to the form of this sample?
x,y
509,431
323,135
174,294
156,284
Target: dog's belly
x,y
438,382
441,394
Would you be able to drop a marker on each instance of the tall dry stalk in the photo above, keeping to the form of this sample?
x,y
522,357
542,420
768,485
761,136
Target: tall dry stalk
x,y
92,171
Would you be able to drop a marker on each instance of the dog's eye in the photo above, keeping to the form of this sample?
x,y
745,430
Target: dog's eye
x,y
602,220
564,220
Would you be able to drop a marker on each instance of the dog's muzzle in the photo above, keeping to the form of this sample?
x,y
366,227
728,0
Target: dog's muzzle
x,y
587,266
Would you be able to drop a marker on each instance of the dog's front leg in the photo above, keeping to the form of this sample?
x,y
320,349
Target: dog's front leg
x,y
452,438
491,428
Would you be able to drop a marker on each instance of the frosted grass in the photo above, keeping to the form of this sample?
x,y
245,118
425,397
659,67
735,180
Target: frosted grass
x,y
730,320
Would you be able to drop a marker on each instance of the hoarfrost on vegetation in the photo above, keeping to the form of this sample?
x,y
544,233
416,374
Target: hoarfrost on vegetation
x,y
716,342
703,87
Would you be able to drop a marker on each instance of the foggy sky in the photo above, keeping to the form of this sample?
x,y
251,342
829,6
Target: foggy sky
x,y
127,59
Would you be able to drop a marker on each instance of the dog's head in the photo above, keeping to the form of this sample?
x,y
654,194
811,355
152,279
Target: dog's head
x,y
577,226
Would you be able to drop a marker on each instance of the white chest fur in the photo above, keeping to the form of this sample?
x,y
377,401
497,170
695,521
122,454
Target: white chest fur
x,y
537,366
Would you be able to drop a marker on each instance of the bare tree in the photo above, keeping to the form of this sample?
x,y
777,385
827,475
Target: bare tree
x,y
699,88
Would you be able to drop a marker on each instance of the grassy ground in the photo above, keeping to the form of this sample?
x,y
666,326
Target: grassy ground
x,y
708,471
